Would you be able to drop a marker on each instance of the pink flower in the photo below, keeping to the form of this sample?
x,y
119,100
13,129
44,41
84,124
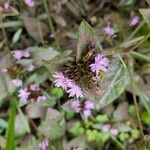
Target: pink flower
x,y
61,80
101,63
109,31
34,87
75,91
134,20
44,144
114,131
23,94
17,82
75,105
6,6
31,67
87,113
106,127
17,54
89,104
30,3
26,54
41,98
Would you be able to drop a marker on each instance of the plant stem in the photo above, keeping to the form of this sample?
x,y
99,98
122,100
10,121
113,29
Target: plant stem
x,y
40,33
117,142
140,56
50,22
136,30
135,100
4,34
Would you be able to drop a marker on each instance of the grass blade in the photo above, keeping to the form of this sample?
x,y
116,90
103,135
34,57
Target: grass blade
x,y
10,139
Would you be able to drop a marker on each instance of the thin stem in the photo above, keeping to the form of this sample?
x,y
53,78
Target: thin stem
x,y
50,21
40,33
136,30
140,56
4,34
117,142
135,101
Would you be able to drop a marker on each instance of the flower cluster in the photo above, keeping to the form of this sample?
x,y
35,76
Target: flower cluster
x,y
44,144
101,64
85,107
30,3
19,54
134,20
107,128
67,84
31,92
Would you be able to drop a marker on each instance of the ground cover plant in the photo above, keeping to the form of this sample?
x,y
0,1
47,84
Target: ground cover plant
x,y
74,75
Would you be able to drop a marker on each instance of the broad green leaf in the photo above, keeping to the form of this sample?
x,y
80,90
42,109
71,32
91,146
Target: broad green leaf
x,y
6,86
86,36
146,14
42,53
53,127
114,82
12,12
53,64
16,36
21,124
10,136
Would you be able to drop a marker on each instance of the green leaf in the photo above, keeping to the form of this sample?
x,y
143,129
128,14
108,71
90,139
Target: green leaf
x,y
145,117
86,36
146,14
16,36
58,92
21,124
102,118
10,138
114,83
3,123
53,127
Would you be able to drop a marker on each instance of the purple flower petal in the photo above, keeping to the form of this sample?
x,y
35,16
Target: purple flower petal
x,y
89,104
23,94
17,82
75,105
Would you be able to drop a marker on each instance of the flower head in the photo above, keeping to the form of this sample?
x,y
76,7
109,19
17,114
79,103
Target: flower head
x,y
17,54
25,53
89,104
106,127
44,144
134,20
61,80
87,113
101,63
30,3
34,87
114,131
23,94
75,105
75,91
17,82
109,31
31,67
41,98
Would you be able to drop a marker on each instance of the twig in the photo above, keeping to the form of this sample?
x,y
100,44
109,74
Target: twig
x,y
135,100
50,21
